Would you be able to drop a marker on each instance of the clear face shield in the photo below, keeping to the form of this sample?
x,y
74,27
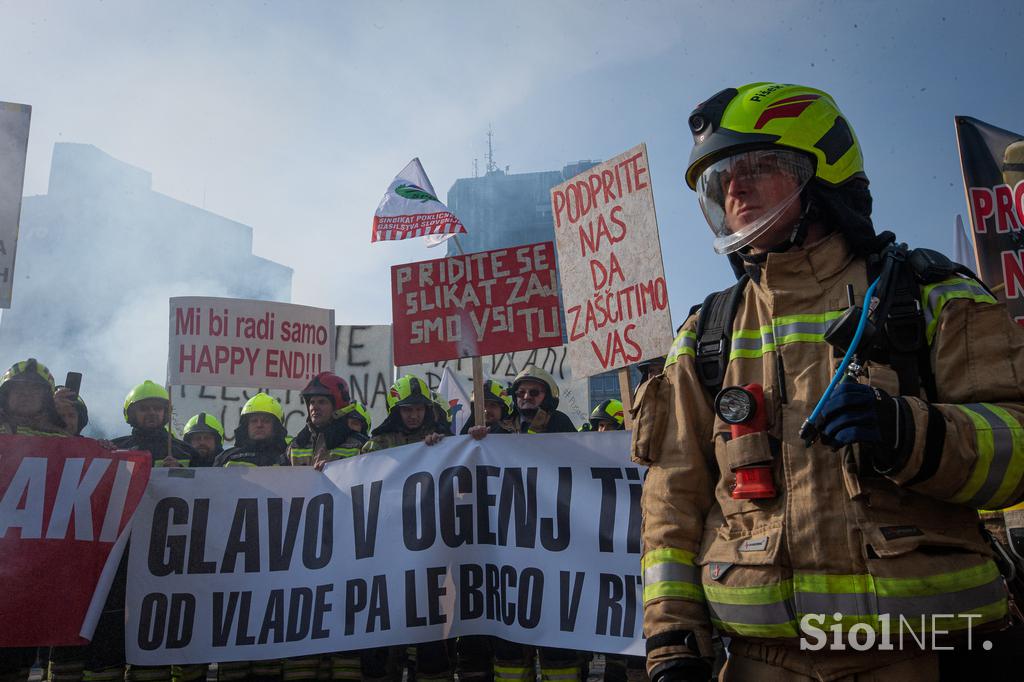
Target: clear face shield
x,y
745,195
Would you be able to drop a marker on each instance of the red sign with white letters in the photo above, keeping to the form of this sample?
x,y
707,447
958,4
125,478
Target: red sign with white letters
x,y
476,304
63,504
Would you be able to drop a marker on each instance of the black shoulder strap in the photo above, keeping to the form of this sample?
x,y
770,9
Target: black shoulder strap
x,y
714,334
908,350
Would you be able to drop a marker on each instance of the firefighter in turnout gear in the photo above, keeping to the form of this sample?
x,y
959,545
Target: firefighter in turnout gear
x,y
498,409
536,401
28,408
259,442
206,436
260,436
147,411
327,435
868,513
412,418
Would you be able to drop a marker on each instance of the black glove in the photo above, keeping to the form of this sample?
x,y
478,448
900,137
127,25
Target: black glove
x,y
688,669
856,413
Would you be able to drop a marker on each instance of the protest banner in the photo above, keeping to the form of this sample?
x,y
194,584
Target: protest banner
x,y
410,208
475,304
992,160
503,368
538,545
230,341
363,359
64,503
609,257
14,125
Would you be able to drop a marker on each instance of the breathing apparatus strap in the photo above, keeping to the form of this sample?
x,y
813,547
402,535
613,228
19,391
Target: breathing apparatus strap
x,y
714,334
900,318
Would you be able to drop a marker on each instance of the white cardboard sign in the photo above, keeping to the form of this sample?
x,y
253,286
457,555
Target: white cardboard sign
x,y
363,359
612,274
233,342
14,124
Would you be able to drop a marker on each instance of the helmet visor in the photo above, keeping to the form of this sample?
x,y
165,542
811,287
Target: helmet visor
x,y
744,195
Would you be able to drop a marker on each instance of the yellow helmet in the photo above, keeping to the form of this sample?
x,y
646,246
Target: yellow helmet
x,y
607,410
266,404
30,370
356,410
26,371
408,390
766,115
144,391
495,392
203,423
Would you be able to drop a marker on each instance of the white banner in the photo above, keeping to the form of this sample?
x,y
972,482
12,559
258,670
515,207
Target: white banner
x,y
233,341
574,392
609,258
14,124
535,539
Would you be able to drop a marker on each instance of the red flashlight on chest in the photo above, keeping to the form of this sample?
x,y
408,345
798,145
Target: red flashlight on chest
x,y
742,408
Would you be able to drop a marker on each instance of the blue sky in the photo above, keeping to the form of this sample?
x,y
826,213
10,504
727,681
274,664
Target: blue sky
x,y
294,117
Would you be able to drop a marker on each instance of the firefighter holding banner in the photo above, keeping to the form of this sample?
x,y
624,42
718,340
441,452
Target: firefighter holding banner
x,y
536,400
498,411
807,462
327,435
412,418
28,408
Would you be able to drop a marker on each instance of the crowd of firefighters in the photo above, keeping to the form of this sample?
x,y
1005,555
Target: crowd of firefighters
x,y
337,427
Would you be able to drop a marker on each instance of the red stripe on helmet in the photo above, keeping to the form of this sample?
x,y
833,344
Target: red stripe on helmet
x,y
790,110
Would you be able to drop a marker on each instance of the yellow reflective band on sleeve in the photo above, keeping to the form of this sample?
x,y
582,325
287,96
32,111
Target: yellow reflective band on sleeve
x,y
666,554
1000,462
670,572
935,296
236,463
344,453
302,455
684,344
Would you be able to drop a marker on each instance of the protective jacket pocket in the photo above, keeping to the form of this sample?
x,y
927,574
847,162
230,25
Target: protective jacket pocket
x,y
650,417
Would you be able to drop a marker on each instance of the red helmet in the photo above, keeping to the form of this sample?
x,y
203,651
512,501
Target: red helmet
x,y
330,385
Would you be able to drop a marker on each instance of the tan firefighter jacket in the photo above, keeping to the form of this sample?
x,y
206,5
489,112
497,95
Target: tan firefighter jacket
x,y
869,547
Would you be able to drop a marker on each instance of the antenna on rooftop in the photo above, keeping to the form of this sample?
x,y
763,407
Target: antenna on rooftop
x,y
491,166
476,169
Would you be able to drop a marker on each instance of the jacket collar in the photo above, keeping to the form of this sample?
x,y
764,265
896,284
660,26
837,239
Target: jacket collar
x,y
799,269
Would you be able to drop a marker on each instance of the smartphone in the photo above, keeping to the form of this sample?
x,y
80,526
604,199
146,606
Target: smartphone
x,y
73,381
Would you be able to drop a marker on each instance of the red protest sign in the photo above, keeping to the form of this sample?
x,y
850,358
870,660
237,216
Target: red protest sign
x,y
63,504
475,304
992,160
